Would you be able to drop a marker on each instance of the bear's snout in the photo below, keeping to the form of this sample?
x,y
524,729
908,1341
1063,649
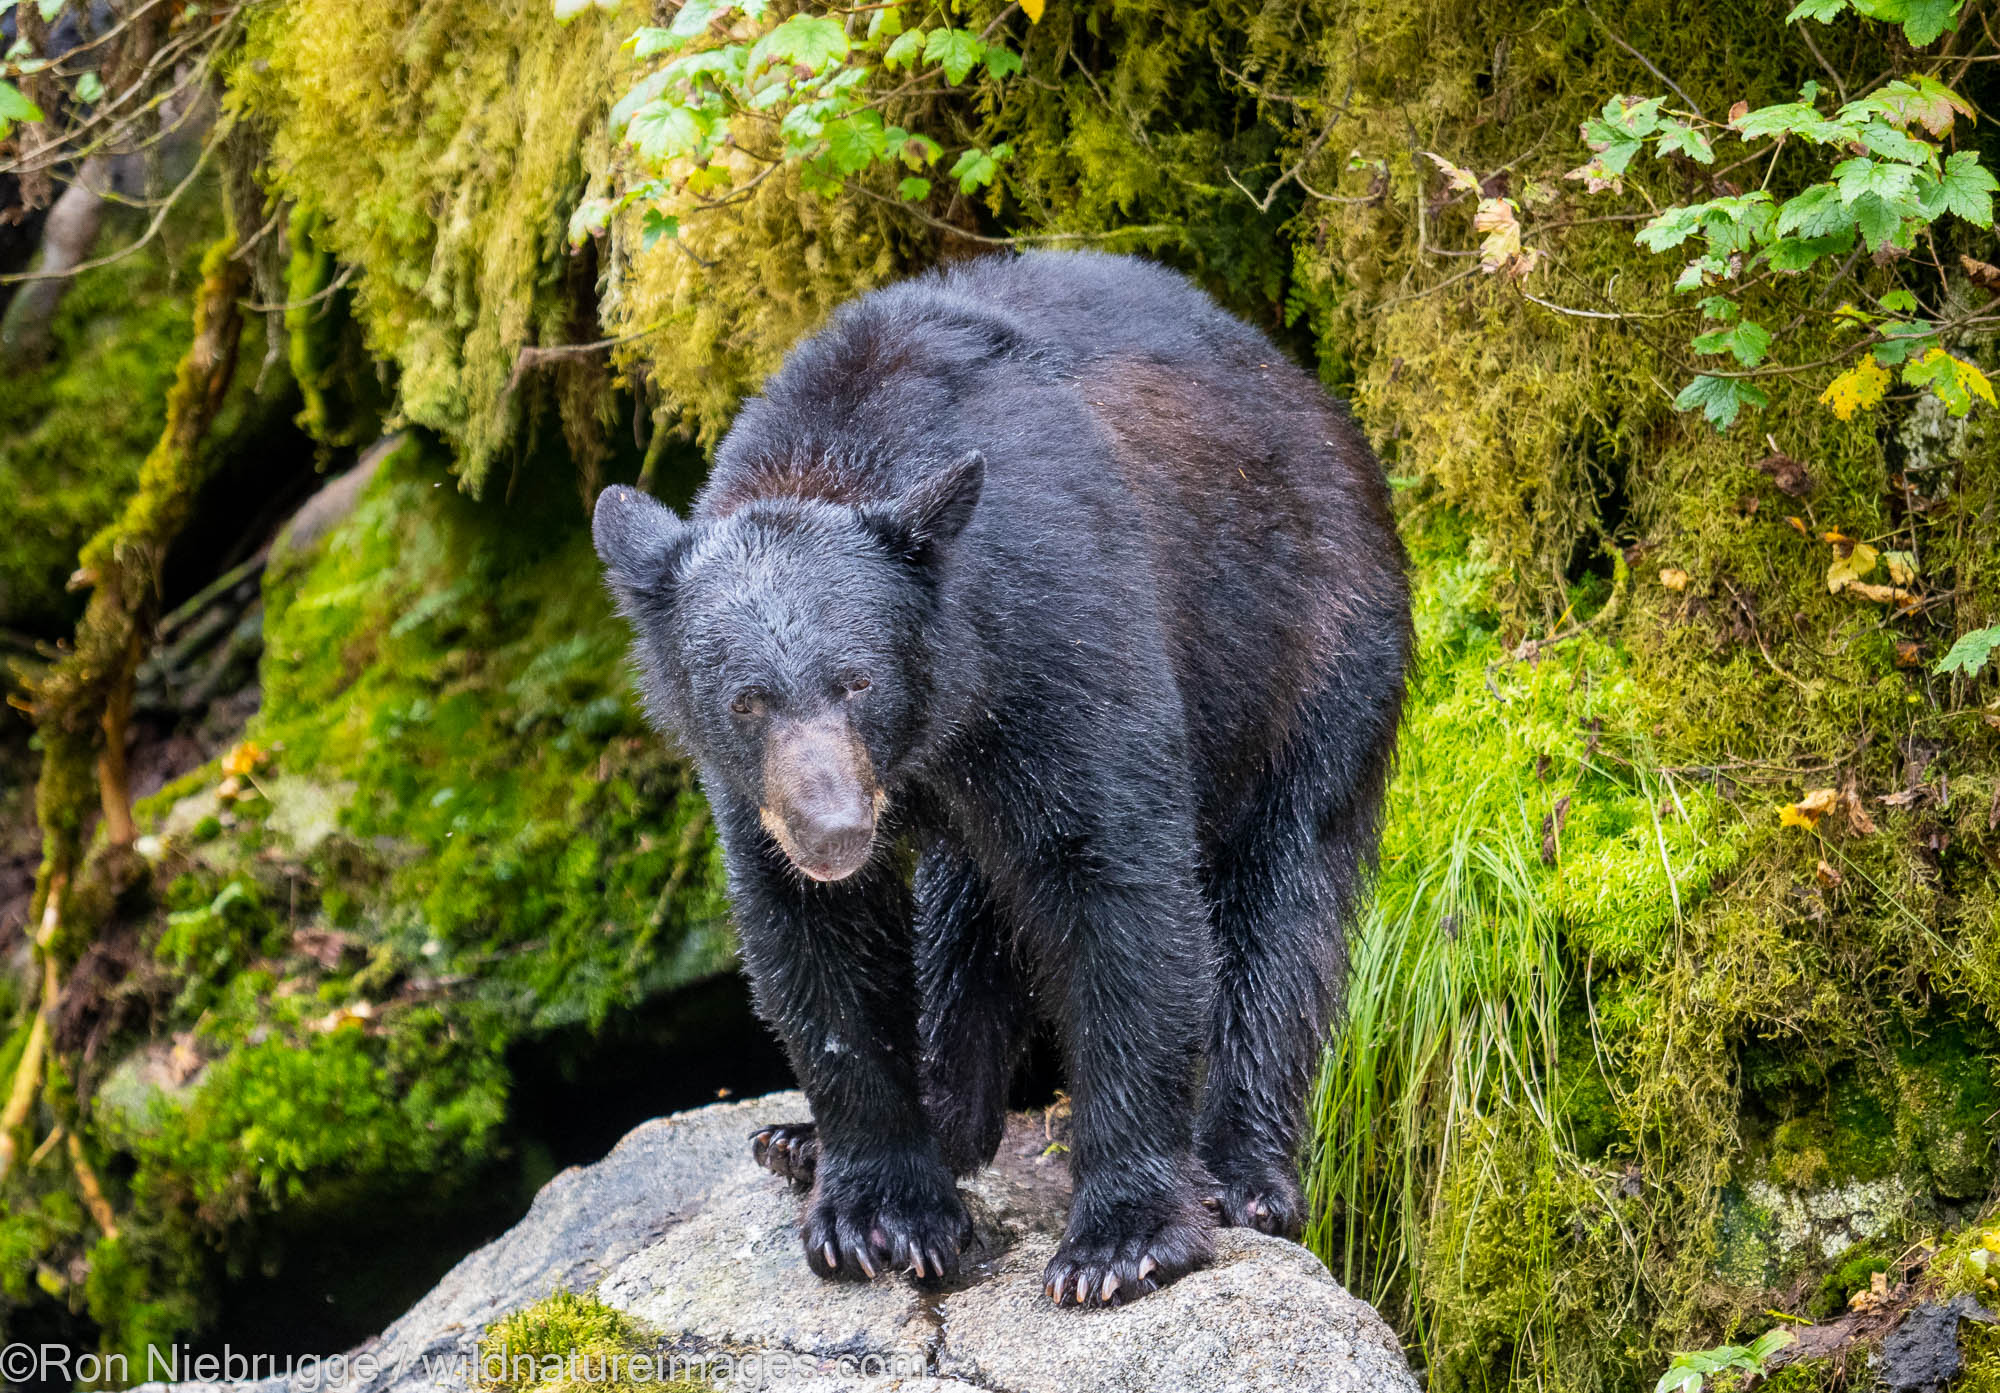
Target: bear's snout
x,y
821,796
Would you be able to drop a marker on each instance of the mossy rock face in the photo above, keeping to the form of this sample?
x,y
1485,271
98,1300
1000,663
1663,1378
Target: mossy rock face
x,y
446,830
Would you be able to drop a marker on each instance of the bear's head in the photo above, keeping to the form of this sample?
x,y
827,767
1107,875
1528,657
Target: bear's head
x,y
786,644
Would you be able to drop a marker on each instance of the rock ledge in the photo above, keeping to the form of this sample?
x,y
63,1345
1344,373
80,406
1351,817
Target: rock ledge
x,y
680,1228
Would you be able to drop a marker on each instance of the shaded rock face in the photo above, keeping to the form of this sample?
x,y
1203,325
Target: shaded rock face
x,y
678,1227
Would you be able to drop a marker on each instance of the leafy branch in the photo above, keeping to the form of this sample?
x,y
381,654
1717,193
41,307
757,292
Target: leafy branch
x,y
1893,183
816,84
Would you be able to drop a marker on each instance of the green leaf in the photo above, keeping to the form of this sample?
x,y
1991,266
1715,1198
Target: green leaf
x,y
1899,302
1803,253
1817,212
1971,653
1678,138
1720,398
1768,1344
50,9
974,169
920,150
957,51
885,24
691,21
1892,183
1967,188
808,41
1001,62
89,88
1899,341
1951,380
1669,229
655,225
1719,307
1790,118
649,41
591,216
857,142
905,51
15,107
644,92
1747,342
914,189
1879,222
1825,11
1890,143
1924,21
667,130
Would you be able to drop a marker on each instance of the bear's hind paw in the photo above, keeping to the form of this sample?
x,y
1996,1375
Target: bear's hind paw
x,y
790,1149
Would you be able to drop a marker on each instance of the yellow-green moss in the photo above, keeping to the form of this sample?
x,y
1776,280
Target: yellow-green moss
x,y
569,1342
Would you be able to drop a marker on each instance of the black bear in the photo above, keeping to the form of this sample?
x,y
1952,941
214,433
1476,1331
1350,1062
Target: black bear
x,y
1040,639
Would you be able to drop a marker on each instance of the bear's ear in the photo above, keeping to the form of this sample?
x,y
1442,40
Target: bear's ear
x,y
637,537
933,512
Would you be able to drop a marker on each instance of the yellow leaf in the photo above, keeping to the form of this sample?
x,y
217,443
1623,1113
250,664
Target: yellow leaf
x,y
1857,389
1033,10
1810,809
1674,578
1902,566
1847,570
243,759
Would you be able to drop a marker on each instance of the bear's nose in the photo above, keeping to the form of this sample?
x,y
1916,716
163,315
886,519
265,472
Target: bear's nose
x,y
836,846
821,796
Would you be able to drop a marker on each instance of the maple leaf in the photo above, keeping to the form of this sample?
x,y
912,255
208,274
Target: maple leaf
x,y
1847,570
1857,389
1810,809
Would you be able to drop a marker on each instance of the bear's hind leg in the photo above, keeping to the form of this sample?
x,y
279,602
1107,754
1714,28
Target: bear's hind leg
x,y
972,1014
1280,913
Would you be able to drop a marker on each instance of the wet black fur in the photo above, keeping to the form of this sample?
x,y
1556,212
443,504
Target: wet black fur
x,y
1128,593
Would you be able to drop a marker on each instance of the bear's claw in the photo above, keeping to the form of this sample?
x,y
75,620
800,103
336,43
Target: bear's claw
x,y
861,1239
1109,1268
1269,1202
790,1149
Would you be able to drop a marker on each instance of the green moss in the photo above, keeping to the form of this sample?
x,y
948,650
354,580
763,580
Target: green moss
x,y
450,677
1855,1273
568,1341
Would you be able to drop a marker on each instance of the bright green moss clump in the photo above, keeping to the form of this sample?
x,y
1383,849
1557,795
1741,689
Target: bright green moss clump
x,y
568,1342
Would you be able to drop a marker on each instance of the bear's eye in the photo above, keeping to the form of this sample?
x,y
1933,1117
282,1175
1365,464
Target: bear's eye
x,y
747,702
855,685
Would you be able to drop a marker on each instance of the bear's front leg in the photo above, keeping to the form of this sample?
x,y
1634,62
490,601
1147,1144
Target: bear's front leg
x,y
1135,999
830,968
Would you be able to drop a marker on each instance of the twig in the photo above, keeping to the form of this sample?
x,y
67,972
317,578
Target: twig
x,y
132,248
1644,61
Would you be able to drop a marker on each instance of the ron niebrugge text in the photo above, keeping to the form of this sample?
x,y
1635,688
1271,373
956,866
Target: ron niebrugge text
x,y
59,1364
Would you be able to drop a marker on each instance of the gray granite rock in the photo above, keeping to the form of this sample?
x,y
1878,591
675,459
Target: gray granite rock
x,y
680,1228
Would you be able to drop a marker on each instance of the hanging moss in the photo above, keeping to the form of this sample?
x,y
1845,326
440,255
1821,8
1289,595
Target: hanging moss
x,y
440,147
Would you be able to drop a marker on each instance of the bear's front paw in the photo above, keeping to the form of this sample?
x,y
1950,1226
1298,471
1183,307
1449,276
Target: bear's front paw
x,y
857,1230
1110,1262
790,1149
1265,1198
